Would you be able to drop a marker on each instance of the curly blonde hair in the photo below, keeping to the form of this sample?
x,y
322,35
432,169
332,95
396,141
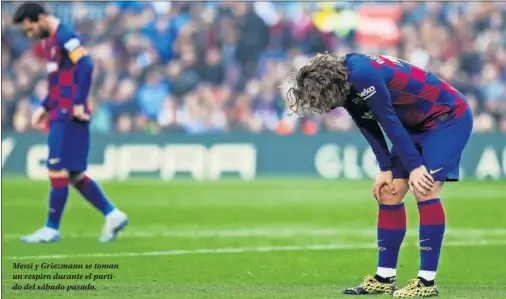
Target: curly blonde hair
x,y
319,86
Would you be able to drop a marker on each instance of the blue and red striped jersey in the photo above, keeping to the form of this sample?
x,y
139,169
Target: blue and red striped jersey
x,y
403,98
61,72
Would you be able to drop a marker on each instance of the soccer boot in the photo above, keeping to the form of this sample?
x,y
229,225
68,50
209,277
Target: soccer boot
x,y
371,286
115,222
43,235
416,288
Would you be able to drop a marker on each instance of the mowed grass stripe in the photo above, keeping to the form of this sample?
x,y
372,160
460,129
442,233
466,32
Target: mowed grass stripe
x,y
273,232
238,193
231,250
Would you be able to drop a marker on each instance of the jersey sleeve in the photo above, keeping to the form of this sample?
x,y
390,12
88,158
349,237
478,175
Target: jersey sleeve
x,y
72,44
373,134
372,89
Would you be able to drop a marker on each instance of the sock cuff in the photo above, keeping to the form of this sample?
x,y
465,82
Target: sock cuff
x,y
431,212
59,182
392,219
391,207
429,202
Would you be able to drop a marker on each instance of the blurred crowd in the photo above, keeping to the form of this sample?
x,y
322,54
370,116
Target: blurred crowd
x,y
221,66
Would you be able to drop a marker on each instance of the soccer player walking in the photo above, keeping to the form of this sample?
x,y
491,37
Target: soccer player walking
x,y
69,75
428,123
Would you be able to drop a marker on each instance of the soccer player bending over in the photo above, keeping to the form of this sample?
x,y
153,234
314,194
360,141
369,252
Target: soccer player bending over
x,y
69,77
428,123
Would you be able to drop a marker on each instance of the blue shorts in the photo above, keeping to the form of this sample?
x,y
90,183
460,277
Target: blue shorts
x,y
441,149
69,144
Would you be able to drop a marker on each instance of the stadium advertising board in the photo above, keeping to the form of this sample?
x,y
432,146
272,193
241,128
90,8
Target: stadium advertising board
x,y
212,157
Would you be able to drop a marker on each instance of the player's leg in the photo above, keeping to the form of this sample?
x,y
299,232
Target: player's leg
x,y
59,192
91,191
390,233
116,220
441,150
431,233
78,154
391,229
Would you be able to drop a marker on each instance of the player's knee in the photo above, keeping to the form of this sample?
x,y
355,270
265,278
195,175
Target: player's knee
x,y
58,173
434,193
387,196
76,177
58,178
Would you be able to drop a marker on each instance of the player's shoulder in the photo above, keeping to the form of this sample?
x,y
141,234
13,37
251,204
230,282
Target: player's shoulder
x,y
66,30
355,60
361,66
67,37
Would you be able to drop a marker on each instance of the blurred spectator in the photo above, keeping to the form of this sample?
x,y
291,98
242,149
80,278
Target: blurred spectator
x,y
212,70
151,95
124,124
216,66
21,118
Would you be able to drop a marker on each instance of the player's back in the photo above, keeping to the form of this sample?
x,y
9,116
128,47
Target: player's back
x,y
61,72
420,98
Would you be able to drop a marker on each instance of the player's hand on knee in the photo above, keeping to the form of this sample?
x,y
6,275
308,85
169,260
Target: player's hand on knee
x,y
434,193
384,178
38,118
80,113
421,181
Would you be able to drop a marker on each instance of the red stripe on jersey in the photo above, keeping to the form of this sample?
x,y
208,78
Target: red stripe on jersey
x,y
399,81
54,92
65,103
460,107
430,92
66,77
389,63
375,65
448,88
418,74
405,99
53,114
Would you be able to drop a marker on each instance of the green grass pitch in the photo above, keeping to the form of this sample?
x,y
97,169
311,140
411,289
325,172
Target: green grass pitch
x,y
267,239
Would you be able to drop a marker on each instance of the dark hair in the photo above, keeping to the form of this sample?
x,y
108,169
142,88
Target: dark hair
x,y
30,11
320,86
